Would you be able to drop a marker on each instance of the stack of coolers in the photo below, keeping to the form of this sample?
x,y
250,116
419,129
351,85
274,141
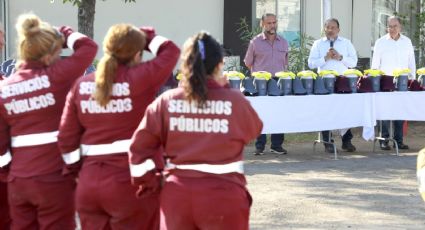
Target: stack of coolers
x,y
261,79
285,79
420,82
329,77
284,83
235,79
306,78
239,81
401,78
371,81
352,77
403,83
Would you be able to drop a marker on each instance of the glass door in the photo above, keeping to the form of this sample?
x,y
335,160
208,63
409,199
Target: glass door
x,y
288,14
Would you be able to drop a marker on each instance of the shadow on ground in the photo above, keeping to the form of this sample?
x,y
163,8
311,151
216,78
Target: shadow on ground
x,y
360,190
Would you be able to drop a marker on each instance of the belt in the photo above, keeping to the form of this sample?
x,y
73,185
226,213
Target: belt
x,y
141,169
34,139
5,159
96,150
209,168
106,149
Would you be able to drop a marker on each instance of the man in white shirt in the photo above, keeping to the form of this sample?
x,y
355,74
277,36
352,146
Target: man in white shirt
x,y
333,52
393,51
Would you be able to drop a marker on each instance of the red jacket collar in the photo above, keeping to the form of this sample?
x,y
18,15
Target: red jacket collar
x,y
212,84
31,65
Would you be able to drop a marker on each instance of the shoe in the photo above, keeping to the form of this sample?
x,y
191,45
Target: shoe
x,y
347,146
279,150
402,146
384,146
259,152
329,148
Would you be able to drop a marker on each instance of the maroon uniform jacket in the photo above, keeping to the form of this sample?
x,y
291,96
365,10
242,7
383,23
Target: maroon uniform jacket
x,y
103,133
196,141
31,103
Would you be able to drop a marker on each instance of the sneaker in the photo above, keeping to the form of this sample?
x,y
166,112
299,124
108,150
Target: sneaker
x,y
329,148
347,146
402,146
258,152
384,146
279,150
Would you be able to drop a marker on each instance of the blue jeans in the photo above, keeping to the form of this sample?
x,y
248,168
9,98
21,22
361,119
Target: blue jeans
x,y
398,130
346,138
277,141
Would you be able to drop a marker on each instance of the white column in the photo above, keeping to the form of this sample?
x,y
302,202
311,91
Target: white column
x,y
326,10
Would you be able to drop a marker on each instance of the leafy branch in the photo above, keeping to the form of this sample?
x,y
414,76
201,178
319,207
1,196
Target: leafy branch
x,y
299,51
245,31
78,2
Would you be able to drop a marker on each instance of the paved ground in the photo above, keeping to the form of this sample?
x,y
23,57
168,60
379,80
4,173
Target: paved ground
x,y
361,190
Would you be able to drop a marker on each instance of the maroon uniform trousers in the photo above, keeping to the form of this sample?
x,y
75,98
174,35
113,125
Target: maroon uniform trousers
x,y
4,208
204,203
42,202
105,199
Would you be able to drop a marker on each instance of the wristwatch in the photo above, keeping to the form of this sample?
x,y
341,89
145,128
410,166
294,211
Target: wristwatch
x,y
341,58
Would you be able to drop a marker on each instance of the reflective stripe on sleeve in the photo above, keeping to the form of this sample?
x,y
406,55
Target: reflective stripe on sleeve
x,y
421,179
106,149
72,157
72,38
35,139
141,169
5,159
208,168
156,43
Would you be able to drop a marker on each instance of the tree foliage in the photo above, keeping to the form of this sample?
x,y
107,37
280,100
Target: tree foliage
x,y
299,50
86,12
78,2
246,31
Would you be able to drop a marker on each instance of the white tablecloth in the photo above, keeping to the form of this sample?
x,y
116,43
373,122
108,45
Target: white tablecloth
x,y
293,114
400,106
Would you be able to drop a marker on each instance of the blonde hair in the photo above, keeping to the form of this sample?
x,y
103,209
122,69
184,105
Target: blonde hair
x,y
121,43
36,38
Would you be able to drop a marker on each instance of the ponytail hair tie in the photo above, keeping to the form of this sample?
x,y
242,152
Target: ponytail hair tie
x,y
201,48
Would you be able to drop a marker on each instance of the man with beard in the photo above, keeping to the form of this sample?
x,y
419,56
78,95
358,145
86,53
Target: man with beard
x,y
268,52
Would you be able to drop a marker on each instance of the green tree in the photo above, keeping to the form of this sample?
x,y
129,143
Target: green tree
x,y
246,31
299,50
416,12
420,35
86,12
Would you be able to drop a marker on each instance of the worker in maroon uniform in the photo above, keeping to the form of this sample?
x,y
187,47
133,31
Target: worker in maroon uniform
x,y
101,113
201,129
4,206
31,103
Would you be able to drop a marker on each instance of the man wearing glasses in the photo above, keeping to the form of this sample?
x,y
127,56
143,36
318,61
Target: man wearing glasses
x,y
393,51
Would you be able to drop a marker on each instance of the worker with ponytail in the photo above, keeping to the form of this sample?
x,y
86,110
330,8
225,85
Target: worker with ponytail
x,y
31,103
102,111
200,129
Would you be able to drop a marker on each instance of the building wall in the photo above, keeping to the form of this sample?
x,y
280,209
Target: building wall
x,y
176,20
312,18
362,27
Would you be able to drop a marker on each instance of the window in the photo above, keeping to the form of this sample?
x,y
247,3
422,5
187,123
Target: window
x,y
406,9
288,16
